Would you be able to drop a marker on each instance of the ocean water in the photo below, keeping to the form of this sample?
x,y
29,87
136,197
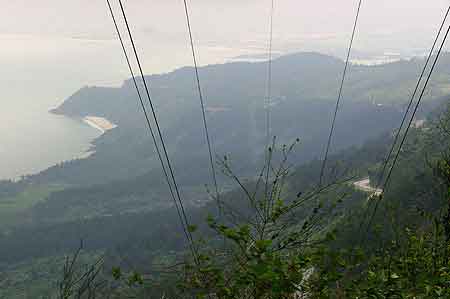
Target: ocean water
x,y
33,140
34,79
37,74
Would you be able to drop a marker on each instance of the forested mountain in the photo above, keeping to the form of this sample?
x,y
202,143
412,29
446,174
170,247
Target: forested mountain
x,y
143,235
117,201
114,213
304,93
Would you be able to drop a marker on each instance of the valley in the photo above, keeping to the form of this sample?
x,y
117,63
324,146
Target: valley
x,y
116,199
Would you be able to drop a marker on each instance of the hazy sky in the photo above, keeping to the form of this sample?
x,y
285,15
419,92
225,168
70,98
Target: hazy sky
x,y
221,20
218,18
46,41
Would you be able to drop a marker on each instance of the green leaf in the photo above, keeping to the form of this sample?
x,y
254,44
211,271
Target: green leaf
x,y
192,228
394,276
116,273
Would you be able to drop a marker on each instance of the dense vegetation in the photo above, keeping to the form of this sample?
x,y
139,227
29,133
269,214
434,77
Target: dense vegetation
x,y
304,88
274,243
117,202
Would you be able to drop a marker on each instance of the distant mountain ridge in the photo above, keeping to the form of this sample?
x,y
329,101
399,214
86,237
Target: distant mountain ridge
x,y
117,198
304,92
307,74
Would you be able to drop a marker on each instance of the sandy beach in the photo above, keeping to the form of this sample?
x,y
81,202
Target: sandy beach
x,y
99,123
365,186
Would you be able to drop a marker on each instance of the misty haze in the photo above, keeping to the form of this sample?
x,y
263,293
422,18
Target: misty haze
x,y
224,149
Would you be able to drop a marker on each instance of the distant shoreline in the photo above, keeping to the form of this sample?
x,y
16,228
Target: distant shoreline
x,y
99,123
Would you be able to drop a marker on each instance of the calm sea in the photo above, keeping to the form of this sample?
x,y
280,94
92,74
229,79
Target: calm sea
x,y
32,140
43,73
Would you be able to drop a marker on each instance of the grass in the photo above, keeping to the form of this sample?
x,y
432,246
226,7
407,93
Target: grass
x,y
13,210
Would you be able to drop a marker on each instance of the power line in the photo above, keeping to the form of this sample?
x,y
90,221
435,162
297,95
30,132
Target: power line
x,y
200,94
183,212
119,35
269,76
268,103
394,163
339,94
397,135
146,117
415,110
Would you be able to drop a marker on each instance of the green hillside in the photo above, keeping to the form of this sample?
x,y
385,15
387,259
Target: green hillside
x,y
117,202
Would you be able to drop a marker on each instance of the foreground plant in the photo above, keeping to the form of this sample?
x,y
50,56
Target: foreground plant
x,y
264,241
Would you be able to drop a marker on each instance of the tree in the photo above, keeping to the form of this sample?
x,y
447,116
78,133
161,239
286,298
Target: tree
x,y
265,239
